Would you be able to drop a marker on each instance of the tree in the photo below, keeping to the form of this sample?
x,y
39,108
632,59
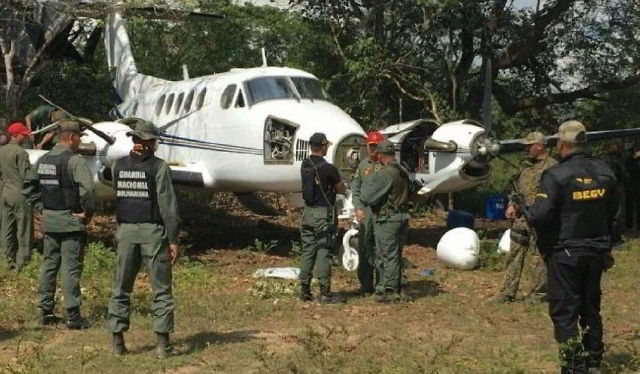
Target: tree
x,y
430,52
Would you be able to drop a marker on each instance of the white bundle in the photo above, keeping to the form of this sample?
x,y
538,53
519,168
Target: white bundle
x,y
504,245
459,248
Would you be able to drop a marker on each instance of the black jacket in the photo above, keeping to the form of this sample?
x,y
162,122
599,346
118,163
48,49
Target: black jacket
x,y
576,205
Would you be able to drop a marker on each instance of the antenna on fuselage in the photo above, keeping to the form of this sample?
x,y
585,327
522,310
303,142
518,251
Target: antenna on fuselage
x,y
264,57
185,72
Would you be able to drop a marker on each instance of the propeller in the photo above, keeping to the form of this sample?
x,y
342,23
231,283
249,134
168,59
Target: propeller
x,y
517,145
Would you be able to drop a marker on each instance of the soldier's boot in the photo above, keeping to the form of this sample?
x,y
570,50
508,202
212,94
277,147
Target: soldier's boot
x,y
75,320
502,299
384,297
163,348
49,318
117,344
305,292
403,296
326,297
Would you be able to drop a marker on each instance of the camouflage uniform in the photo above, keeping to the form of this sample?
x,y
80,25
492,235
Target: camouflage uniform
x,y
370,267
523,241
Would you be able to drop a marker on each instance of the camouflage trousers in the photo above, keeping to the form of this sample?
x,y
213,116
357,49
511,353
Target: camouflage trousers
x,y
523,246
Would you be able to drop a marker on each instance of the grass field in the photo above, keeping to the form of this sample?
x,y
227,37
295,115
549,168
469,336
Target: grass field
x,y
229,322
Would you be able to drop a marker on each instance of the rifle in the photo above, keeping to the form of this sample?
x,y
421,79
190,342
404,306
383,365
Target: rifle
x,y
518,196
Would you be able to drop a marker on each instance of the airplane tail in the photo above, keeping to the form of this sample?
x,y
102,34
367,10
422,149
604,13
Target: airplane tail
x,y
127,81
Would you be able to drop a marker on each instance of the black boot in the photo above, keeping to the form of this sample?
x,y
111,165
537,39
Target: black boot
x,y
49,318
118,346
326,297
75,320
163,348
305,292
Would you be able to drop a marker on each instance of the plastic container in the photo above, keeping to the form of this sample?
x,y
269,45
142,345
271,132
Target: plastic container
x,y
495,207
459,218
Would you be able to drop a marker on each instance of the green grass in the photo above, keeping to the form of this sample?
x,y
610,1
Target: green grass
x,y
229,322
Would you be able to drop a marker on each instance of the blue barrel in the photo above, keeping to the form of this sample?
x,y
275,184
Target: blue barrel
x,y
459,218
495,207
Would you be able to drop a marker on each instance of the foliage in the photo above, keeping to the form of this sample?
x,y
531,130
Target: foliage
x,y
429,53
489,258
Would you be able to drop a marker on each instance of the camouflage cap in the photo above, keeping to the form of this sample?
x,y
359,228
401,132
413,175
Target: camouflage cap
x,y
144,130
534,137
572,132
386,147
69,126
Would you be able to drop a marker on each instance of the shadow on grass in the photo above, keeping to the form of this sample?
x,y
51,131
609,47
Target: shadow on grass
x,y
204,339
7,334
424,288
621,362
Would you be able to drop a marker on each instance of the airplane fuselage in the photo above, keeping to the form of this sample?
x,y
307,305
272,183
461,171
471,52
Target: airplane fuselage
x,y
245,130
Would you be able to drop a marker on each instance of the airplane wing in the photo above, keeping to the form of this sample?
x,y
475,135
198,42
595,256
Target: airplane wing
x,y
517,145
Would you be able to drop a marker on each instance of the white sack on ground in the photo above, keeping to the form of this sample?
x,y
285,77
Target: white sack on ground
x,y
504,246
459,248
284,273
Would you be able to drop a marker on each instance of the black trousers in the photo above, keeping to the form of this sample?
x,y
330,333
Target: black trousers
x,y
574,307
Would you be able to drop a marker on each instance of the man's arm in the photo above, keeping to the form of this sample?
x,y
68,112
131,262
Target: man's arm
x,y
548,200
167,202
87,189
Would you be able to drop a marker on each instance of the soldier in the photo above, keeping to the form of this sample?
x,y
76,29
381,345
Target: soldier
x,y
320,184
387,193
522,238
16,208
369,270
573,215
41,117
68,199
147,215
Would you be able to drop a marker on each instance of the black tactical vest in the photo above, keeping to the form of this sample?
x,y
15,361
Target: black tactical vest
x,y
59,191
135,185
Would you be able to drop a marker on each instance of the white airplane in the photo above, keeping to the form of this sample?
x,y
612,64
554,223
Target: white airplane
x,y
247,130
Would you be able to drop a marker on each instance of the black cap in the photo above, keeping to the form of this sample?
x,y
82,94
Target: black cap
x,y
319,139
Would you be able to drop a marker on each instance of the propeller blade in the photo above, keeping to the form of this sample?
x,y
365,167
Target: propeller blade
x,y
517,145
486,97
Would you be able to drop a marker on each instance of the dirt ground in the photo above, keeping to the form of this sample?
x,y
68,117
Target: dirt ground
x,y
229,322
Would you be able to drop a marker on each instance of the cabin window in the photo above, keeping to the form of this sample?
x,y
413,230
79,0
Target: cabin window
x,y
200,100
227,96
189,101
240,100
268,88
160,104
170,102
310,88
179,102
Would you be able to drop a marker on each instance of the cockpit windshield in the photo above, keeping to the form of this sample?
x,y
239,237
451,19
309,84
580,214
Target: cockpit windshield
x,y
268,88
310,88
271,88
